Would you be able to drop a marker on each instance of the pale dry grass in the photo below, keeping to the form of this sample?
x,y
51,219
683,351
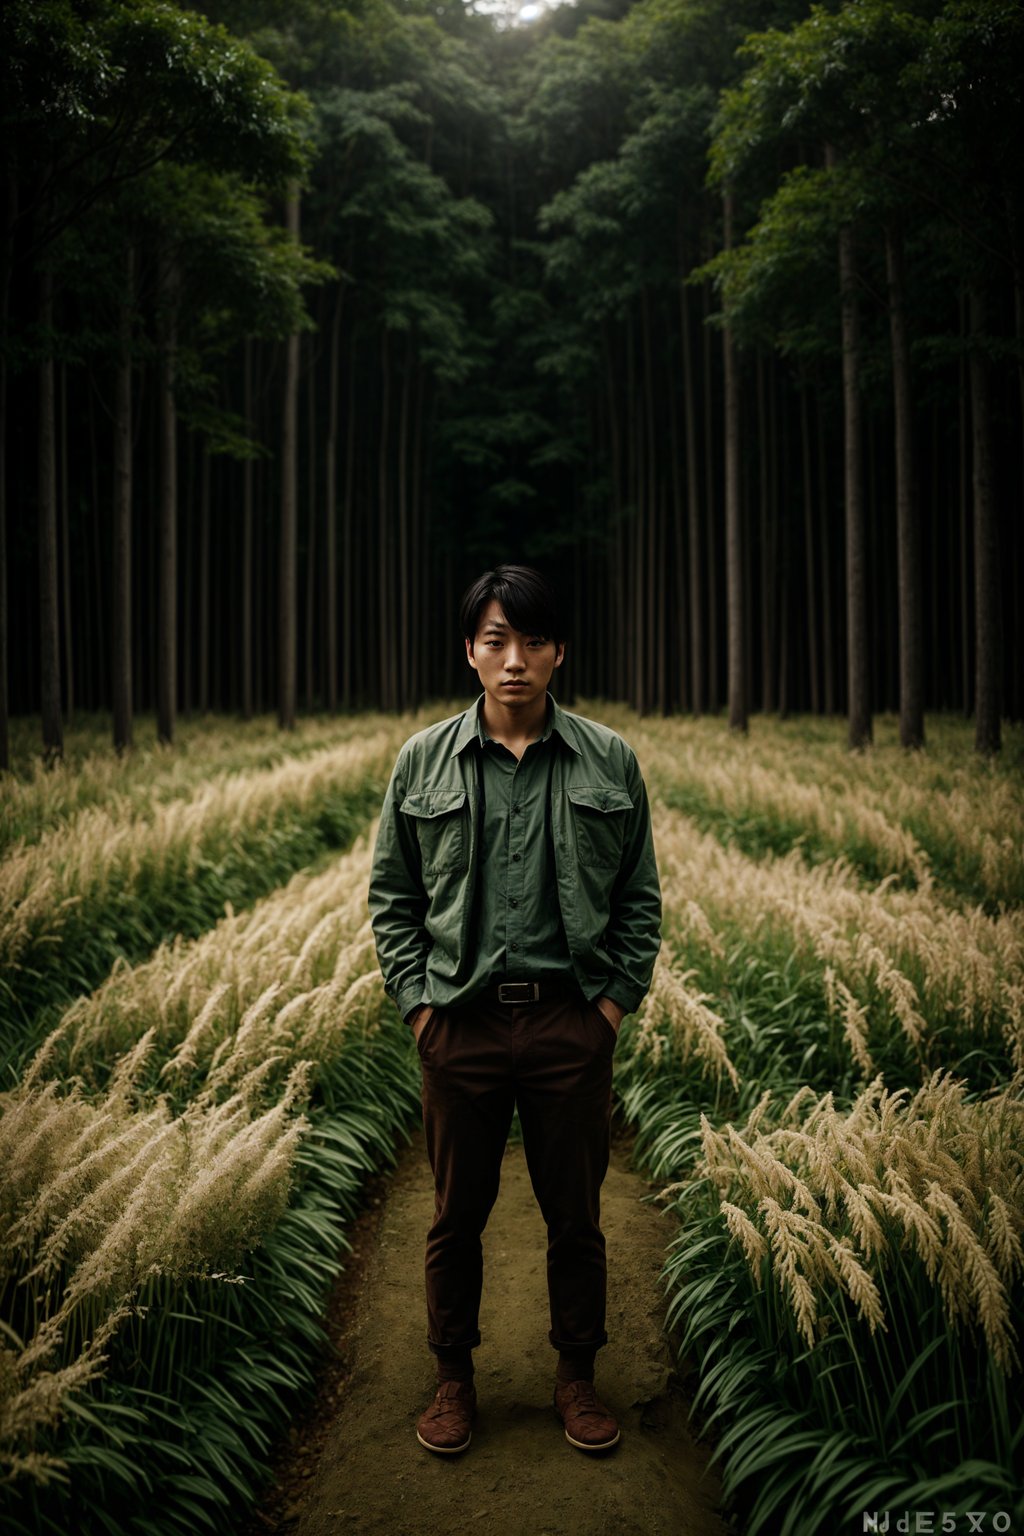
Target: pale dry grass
x,y
674,1014
96,1199
35,797
883,801
260,992
102,1191
102,852
827,1200
884,952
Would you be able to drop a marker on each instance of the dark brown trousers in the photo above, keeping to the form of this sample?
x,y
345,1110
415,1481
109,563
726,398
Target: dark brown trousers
x,y
552,1060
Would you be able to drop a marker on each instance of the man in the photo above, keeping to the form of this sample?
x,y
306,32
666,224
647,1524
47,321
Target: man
x,y
516,912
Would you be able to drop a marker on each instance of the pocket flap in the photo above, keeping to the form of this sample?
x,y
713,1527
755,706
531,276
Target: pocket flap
x,y
428,803
600,797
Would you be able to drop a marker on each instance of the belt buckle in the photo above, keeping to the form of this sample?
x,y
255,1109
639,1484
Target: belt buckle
x,y
521,992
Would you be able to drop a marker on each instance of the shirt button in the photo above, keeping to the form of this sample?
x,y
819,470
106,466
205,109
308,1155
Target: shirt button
x,y
515,810
516,857
513,946
513,902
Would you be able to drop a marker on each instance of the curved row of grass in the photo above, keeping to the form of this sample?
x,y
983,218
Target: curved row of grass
x,y
107,887
943,815
829,1076
173,1209
36,797
214,1078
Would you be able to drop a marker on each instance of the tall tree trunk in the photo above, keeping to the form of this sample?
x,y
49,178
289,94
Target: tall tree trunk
x,y
287,616
827,636
187,561
404,633
386,639
649,512
167,642
697,639
331,509
733,532
964,511
1012,555
311,503
811,608
785,500
248,473
615,685
771,613
219,687
49,626
121,596
858,666
204,581
65,545
908,531
763,518
680,671
710,512
420,543
348,540
6,266
987,738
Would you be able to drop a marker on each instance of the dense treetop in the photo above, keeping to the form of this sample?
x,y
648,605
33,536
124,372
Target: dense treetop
x,y
518,246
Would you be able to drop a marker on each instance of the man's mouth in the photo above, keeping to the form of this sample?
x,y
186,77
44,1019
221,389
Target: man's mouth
x,y
513,685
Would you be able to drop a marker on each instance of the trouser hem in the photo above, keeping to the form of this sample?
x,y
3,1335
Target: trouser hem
x,y
577,1346
445,1350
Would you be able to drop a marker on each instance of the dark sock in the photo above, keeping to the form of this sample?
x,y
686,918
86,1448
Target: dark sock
x,y
455,1365
578,1366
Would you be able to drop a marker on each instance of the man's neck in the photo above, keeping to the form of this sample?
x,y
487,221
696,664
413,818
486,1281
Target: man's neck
x,y
514,727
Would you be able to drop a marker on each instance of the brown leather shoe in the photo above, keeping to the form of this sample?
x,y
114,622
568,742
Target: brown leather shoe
x,y
588,1424
444,1427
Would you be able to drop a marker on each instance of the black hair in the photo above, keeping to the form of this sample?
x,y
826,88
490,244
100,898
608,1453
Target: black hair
x,y
527,600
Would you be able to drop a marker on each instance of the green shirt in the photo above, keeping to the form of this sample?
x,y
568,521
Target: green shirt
x,y
519,932
428,864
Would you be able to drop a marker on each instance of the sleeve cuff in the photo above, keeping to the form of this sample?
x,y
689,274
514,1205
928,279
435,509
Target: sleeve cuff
x,y
622,993
409,997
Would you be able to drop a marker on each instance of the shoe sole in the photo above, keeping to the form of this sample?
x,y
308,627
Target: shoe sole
x,y
443,1450
604,1445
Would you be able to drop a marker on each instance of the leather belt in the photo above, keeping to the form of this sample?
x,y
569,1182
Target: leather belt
x,y
521,992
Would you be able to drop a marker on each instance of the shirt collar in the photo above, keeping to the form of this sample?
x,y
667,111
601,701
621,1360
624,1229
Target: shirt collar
x,y
471,726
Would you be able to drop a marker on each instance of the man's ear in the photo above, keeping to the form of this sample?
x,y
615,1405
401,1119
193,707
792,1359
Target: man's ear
x,y
469,654
560,653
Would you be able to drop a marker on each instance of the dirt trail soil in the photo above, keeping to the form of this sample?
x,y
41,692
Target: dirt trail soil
x,y
365,1471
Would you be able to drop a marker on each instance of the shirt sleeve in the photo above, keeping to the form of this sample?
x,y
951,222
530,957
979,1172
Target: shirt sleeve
x,y
398,901
633,935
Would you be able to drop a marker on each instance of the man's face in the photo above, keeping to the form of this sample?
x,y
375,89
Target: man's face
x,y
514,668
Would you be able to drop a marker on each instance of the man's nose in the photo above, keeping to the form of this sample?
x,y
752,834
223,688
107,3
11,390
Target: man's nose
x,y
515,659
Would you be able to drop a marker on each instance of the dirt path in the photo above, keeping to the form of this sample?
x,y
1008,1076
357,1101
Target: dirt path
x,y
519,1477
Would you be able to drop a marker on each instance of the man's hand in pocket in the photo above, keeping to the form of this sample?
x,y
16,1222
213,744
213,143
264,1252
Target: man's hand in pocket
x,y
419,1018
612,1012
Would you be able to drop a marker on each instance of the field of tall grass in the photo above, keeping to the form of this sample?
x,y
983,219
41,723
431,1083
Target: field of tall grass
x,y
828,1073
826,1079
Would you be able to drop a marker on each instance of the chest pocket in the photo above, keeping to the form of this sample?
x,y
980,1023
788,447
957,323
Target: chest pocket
x,y
442,831
599,815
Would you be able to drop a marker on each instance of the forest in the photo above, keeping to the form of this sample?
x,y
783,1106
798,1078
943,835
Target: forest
x,y
712,308
713,311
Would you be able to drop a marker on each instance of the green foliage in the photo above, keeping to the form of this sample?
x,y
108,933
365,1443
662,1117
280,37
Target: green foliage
x,y
129,82
203,1376
807,1440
